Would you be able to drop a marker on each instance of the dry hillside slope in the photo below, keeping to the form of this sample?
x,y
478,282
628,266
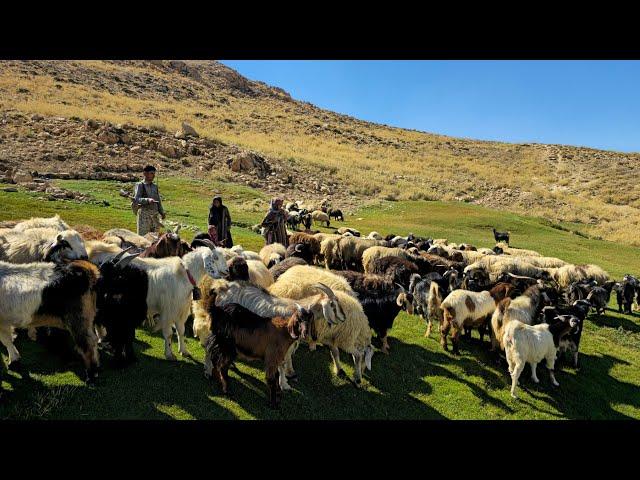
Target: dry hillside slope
x,y
310,152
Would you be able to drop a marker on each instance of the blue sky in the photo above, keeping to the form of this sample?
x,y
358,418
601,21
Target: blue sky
x,y
584,103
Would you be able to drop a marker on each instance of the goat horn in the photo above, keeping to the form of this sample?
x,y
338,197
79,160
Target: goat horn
x,y
126,260
325,289
117,258
401,287
204,242
519,276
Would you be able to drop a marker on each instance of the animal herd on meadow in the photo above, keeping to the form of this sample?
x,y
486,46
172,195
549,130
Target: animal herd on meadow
x,y
331,289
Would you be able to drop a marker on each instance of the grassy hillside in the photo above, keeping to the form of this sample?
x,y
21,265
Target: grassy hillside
x,y
417,381
595,190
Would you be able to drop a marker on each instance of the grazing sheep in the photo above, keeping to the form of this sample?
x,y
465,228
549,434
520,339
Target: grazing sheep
x,y
463,308
519,252
259,274
285,265
374,236
531,344
319,216
272,254
56,295
522,308
297,282
544,262
328,252
247,254
568,274
41,244
54,222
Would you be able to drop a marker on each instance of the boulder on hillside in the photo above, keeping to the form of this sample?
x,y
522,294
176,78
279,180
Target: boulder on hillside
x,y
186,131
21,176
249,161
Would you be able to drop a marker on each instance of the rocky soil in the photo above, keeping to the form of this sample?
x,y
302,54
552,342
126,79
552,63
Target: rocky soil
x,y
34,148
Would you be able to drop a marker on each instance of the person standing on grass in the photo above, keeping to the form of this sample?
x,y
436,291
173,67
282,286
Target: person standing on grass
x,y
220,222
274,223
147,197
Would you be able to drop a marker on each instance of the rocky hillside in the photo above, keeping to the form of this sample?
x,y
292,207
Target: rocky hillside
x,y
100,119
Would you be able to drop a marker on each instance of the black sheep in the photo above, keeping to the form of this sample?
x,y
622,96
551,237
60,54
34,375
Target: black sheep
x,y
300,250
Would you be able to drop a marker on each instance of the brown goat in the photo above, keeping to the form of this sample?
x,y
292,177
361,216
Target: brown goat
x,y
168,245
310,240
236,331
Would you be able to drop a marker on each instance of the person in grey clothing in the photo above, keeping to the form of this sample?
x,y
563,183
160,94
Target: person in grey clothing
x,y
147,197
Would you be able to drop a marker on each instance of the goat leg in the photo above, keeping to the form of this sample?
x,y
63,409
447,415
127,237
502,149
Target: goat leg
x,y
335,355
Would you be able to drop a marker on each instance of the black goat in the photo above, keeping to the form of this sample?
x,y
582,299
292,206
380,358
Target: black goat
x,y
571,342
399,268
121,304
381,300
300,250
501,236
336,213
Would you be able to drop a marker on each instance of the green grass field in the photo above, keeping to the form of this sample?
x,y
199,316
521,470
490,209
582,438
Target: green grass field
x,y
418,380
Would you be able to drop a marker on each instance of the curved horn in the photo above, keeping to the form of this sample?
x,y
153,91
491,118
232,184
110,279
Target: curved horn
x,y
204,243
298,247
401,287
325,289
126,260
117,258
519,276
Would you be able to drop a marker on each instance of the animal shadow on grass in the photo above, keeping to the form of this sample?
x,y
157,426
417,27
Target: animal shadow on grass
x,y
615,322
145,384
592,397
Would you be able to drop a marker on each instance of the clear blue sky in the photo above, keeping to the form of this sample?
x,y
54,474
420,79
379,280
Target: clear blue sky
x,y
585,103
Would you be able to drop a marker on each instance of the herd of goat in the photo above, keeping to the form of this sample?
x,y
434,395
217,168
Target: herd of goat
x,y
328,289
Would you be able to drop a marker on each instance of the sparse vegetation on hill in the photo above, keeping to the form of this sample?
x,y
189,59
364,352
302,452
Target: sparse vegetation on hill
x,y
591,191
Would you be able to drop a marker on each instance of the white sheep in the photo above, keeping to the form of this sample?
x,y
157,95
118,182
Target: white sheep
x,y
41,244
272,254
40,222
259,274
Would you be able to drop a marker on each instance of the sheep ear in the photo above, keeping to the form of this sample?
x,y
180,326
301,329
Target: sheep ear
x,y
59,237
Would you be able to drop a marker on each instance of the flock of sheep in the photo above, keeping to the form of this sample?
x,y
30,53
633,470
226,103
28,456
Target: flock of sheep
x,y
328,289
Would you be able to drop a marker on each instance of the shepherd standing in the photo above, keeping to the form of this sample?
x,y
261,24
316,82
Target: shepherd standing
x,y
274,223
148,199
220,219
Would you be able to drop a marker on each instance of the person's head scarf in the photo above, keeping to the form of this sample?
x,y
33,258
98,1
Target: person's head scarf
x,y
273,206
